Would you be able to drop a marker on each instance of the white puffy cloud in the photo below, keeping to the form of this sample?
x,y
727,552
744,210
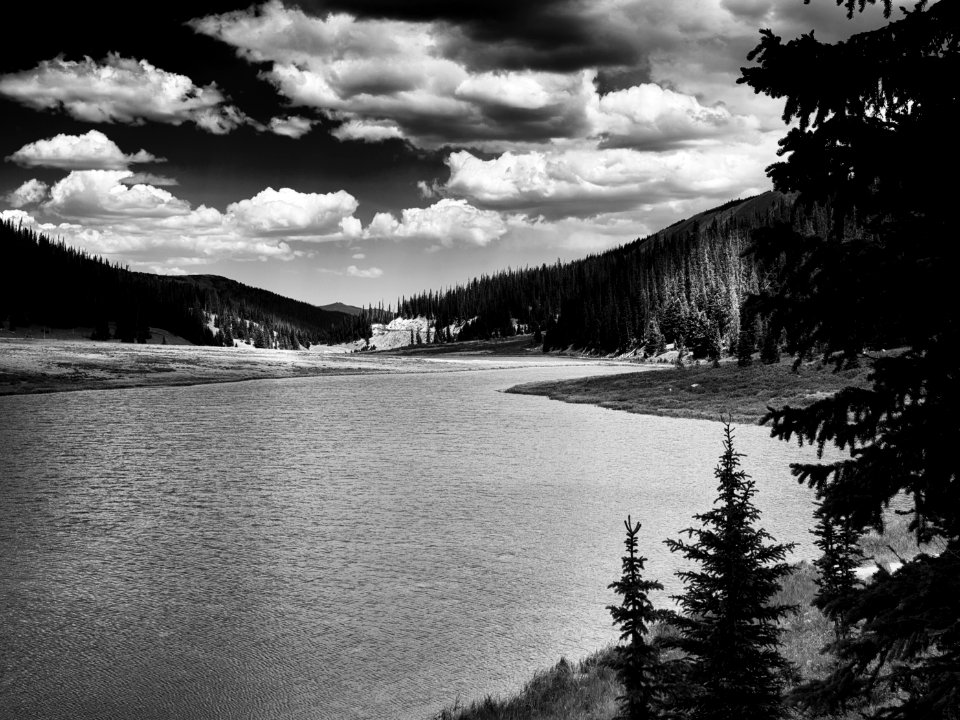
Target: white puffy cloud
x,y
152,228
371,272
647,116
290,213
123,90
29,193
351,227
446,222
17,217
588,182
90,151
101,194
293,126
359,256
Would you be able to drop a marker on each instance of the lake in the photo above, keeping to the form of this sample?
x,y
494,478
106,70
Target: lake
x,y
367,546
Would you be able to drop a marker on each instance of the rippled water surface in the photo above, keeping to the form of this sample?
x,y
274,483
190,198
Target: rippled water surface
x,y
344,547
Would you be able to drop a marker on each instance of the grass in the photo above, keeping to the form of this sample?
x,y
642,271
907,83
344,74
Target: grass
x,y
585,691
703,392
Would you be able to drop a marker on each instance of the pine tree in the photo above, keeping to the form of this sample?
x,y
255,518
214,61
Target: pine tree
x,y
653,341
638,662
746,341
729,628
840,556
837,584
871,115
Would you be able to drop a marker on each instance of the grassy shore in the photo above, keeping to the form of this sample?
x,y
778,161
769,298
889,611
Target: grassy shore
x,y
588,689
30,365
42,366
704,392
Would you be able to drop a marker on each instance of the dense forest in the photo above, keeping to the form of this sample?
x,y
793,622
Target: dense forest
x,y
685,285
49,283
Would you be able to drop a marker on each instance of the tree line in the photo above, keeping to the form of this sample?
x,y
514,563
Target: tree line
x,y
685,285
50,283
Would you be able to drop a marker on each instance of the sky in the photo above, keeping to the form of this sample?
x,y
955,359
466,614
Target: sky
x,y
360,150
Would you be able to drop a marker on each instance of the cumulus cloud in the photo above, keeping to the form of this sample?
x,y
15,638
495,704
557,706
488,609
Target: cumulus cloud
x,y
586,182
29,193
152,228
101,194
371,272
123,90
648,117
90,151
446,222
291,127
17,217
290,213
359,256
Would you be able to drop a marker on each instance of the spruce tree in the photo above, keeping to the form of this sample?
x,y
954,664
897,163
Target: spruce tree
x,y
729,629
840,556
746,340
871,115
837,583
638,662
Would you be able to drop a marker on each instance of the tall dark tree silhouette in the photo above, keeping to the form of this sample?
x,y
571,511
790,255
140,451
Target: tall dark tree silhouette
x,y
874,116
729,627
840,556
638,661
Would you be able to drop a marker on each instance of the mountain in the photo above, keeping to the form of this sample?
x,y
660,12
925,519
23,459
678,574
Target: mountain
x,y
682,285
340,307
49,283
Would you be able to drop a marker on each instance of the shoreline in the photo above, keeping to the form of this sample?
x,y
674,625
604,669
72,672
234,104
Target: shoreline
x,y
39,367
739,394
699,392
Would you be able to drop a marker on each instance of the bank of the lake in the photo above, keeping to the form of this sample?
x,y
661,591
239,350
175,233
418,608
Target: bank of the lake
x,y
587,689
36,366
703,392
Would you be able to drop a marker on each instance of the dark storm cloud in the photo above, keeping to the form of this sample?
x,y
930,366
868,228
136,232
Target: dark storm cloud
x,y
546,35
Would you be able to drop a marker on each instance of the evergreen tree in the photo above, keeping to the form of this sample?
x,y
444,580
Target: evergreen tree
x,y
653,341
840,556
746,341
638,662
871,114
729,628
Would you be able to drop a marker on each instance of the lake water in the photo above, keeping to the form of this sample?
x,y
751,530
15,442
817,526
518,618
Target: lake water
x,y
345,547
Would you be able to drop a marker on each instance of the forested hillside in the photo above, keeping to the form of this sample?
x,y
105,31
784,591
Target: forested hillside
x,y
685,284
49,283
